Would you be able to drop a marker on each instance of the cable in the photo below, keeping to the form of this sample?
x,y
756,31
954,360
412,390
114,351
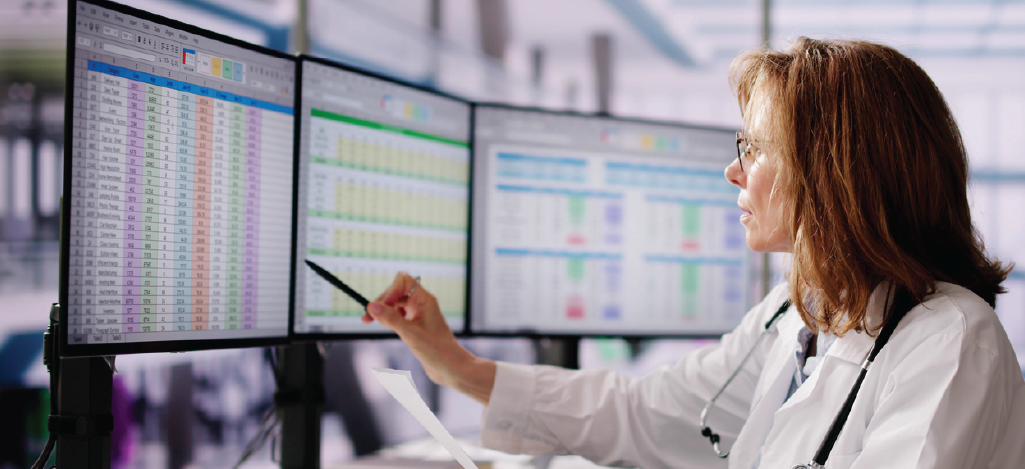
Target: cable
x,y
47,450
270,420
267,427
51,358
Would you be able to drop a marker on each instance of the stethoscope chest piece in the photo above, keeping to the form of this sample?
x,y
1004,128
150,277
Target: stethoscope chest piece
x,y
811,465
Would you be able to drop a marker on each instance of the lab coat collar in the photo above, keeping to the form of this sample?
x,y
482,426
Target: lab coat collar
x,y
781,371
854,346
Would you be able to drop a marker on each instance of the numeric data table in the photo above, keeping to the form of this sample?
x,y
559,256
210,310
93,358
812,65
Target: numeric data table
x,y
175,189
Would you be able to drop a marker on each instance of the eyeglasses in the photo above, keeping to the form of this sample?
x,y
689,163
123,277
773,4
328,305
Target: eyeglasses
x,y
746,149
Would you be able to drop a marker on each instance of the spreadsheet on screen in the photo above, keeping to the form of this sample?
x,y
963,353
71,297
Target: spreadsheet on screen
x,y
384,187
596,225
180,200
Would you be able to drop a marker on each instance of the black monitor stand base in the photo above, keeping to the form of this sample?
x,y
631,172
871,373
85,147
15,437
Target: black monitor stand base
x,y
300,401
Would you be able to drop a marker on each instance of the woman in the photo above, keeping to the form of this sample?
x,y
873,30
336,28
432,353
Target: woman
x,y
852,162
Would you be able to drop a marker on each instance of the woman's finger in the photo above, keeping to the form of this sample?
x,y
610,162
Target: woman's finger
x,y
402,284
388,316
410,307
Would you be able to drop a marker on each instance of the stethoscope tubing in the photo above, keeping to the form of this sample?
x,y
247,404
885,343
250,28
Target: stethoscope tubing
x,y
706,431
902,303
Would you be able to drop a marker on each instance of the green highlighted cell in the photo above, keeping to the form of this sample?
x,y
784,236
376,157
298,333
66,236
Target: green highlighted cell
x,y
689,283
575,269
577,210
691,220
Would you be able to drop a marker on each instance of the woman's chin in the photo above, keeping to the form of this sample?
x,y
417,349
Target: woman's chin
x,y
760,243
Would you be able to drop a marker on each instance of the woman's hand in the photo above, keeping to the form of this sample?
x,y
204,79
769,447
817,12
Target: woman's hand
x,y
418,321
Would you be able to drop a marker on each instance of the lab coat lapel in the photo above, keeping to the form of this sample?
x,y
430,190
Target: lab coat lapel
x,y
852,347
772,389
801,423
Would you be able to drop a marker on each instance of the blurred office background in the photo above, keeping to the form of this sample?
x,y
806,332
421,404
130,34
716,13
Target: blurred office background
x,y
658,59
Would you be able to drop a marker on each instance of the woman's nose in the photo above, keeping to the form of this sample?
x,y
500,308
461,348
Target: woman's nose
x,y
734,174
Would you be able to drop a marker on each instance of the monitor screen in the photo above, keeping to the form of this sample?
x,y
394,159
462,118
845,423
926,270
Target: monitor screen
x,y
587,225
384,186
179,187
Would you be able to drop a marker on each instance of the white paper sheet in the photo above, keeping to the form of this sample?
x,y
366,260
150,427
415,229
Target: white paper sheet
x,y
399,384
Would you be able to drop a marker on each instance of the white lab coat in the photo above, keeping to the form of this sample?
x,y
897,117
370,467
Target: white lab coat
x,y
945,392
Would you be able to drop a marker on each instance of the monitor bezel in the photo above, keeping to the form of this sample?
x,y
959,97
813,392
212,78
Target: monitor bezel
x,y
87,350
300,337
536,333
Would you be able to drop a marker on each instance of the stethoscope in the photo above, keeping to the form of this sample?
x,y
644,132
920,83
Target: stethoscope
x,y
902,304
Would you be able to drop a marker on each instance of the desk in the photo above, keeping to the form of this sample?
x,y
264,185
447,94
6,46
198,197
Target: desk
x,y
427,453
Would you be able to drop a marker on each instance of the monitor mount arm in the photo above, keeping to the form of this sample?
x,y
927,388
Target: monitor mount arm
x,y
80,420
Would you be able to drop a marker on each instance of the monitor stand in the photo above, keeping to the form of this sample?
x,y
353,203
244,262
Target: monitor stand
x,y
300,400
81,391
84,393
562,351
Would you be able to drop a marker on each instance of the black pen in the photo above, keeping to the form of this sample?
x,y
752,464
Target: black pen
x,y
338,283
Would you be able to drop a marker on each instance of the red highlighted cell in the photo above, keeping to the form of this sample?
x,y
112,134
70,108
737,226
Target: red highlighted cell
x,y
575,307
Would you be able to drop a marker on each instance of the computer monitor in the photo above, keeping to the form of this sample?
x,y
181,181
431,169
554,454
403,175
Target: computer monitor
x,y
384,187
589,225
178,188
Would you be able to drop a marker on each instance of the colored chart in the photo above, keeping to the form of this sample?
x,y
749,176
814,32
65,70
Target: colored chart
x,y
177,207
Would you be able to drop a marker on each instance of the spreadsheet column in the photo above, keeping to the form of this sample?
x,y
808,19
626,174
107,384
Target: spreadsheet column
x,y
275,137
202,319
252,217
172,312
189,290
109,138
151,210
132,294
236,215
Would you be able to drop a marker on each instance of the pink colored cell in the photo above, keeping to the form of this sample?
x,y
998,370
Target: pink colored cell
x,y
575,307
